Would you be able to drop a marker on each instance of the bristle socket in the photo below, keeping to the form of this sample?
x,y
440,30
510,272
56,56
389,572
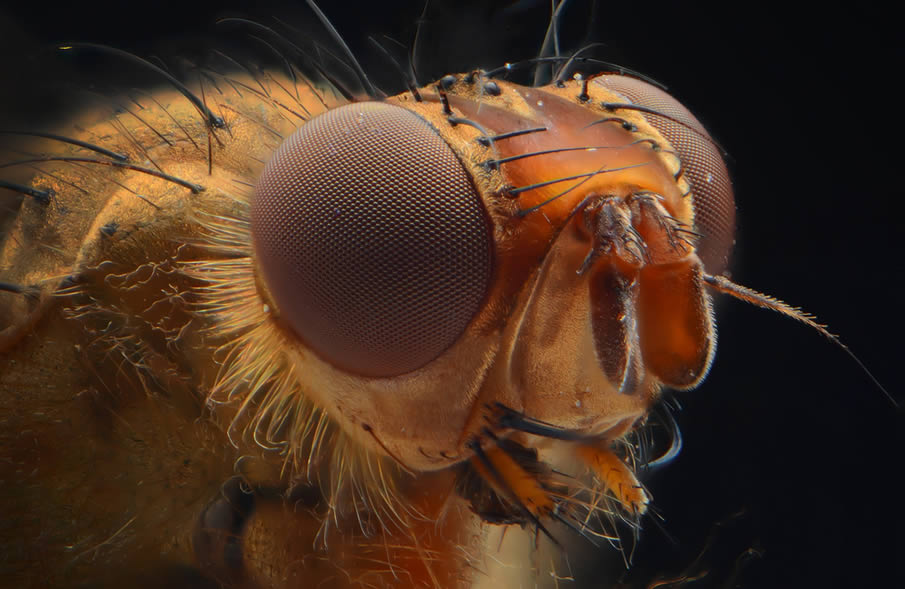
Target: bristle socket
x,y
492,89
447,82
42,197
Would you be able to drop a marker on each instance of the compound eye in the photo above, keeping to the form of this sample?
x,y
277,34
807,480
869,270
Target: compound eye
x,y
372,239
714,201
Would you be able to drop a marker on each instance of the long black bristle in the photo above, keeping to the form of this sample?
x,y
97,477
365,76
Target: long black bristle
x,y
290,71
195,188
511,134
505,160
551,37
210,118
90,146
280,38
613,67
305,55
41,196
655,112
413,54
263,96
407,79
561,72
171,117
28,291
627,125
359,71
463,121
520,189
512,419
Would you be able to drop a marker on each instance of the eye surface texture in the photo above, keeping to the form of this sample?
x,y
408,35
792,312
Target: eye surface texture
x,y
372,239
714,202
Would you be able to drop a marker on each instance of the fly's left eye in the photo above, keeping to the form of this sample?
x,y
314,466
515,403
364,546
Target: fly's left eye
x,y
372,239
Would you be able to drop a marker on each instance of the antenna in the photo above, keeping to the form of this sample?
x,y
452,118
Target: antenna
x,y
751,296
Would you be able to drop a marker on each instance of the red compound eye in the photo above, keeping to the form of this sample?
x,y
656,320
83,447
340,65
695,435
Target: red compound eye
x,y
372,239
714,202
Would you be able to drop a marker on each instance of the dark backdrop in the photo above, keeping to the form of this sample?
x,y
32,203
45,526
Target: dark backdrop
x,y
786,430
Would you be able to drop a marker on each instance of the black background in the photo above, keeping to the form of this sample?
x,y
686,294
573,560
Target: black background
x,y
786,429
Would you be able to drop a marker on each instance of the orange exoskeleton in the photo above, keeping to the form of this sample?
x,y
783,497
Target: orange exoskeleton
x,y
303,336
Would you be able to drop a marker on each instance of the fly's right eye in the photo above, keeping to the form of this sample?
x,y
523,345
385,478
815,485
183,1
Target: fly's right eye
x,y
372,239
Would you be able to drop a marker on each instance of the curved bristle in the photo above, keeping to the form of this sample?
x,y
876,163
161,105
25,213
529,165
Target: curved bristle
x,y
209,117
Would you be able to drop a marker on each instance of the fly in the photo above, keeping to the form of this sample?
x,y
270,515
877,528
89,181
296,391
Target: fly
x,y
310,330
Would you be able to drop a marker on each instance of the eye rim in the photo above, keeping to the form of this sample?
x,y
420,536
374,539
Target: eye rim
x,y
482,236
